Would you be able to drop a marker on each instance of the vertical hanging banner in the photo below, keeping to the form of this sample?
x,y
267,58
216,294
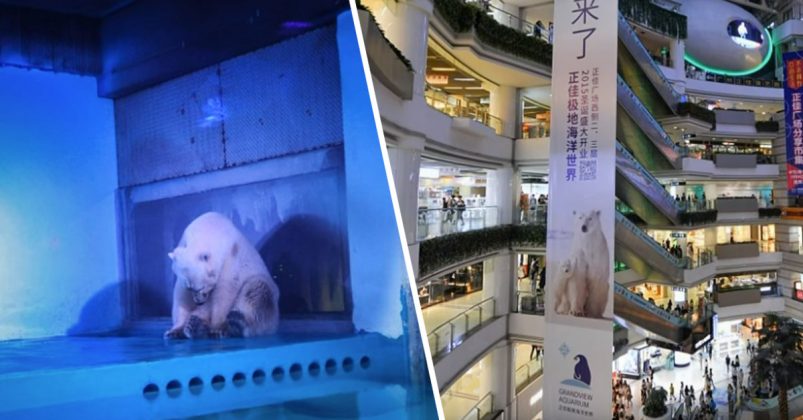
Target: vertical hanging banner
x,y
582,168
793,110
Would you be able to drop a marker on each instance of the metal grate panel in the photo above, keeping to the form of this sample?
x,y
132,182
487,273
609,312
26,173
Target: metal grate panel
x,y
283,99
170,130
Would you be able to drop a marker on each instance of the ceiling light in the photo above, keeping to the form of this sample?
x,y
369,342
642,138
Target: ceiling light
x,y
464,79
453,87
444,69
473,87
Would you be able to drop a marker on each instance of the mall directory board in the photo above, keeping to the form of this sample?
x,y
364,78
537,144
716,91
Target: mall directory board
x,y
581,217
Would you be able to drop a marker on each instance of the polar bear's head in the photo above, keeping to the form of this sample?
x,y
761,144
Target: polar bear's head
x,y
587,222
209,242
566,268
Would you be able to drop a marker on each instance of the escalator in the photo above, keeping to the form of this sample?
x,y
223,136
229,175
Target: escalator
x,y
641,191
640,72
661,328
644,255
638,130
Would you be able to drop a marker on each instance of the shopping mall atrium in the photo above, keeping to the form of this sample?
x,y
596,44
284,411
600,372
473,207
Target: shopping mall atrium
x,y
708,241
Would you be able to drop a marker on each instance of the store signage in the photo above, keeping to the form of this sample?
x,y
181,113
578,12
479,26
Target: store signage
x,y
793,110
581,215
678,235
438,79
702,342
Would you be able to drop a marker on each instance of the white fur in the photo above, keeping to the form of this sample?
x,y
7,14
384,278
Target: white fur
x,y
214,256
582,287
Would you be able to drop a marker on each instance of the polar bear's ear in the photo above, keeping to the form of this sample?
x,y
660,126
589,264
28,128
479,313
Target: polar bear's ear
x,y
171,255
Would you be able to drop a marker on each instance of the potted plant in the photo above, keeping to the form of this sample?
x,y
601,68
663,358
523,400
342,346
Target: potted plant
x,y
655,406
779,358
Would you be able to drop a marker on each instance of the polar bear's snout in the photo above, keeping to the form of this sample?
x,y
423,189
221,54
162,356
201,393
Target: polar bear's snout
x,y
584,229
202,295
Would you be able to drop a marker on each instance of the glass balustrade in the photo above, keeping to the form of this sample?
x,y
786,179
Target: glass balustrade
x,y
634,40
648,117
530,302
533,216
528,372
482,409
438,222
449,335
660,194
457,107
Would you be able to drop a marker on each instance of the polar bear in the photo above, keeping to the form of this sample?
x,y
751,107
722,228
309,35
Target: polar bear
x,y
584,278
571,290
223,288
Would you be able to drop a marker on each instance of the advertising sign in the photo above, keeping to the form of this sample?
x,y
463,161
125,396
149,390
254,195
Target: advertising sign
x,y
793,106
582,164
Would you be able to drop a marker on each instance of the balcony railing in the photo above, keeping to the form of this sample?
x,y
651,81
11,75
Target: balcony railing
x,y
455,107
529,372
482,409
449,335
510,20
530,302
437,222
535,215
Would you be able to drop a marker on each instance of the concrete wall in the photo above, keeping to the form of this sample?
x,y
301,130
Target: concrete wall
x,y
58,174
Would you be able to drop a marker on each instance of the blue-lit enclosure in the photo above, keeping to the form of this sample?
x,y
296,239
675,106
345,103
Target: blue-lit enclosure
x,y
95,190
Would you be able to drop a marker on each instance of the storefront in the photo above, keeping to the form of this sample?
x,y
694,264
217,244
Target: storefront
x,y
763,234
636,362
439,182
766,282
456,284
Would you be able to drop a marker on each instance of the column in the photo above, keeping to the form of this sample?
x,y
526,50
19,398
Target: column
x,y
504,100
405,163
498,278
780,194
407,27
677,49
499,193
503,375
516,191
787,238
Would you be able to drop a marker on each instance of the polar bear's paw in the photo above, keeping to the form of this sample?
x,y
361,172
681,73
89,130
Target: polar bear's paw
x,y
234,325
175,333
196,328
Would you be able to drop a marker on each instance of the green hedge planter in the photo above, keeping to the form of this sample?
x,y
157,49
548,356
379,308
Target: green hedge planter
x,y
397,51
696,111
446,250
462,18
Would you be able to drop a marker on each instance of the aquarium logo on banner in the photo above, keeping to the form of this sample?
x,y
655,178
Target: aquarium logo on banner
x,y
582,167
793,104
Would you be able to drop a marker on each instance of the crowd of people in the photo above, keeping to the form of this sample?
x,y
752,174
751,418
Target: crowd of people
x,y
623,400
533,210
690,202
453,206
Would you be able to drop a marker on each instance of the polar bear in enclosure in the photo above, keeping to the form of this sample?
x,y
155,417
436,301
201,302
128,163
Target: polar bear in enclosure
x,y
223,288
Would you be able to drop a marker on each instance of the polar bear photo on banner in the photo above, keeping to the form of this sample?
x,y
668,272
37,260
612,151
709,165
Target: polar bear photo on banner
x,y
223,288
583,283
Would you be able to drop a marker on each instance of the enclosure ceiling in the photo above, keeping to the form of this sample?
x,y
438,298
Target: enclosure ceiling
x,y
88,8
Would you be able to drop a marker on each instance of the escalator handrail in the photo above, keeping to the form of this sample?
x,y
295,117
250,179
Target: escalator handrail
x,y
667,84
652,308
648,116
649,240
668,200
